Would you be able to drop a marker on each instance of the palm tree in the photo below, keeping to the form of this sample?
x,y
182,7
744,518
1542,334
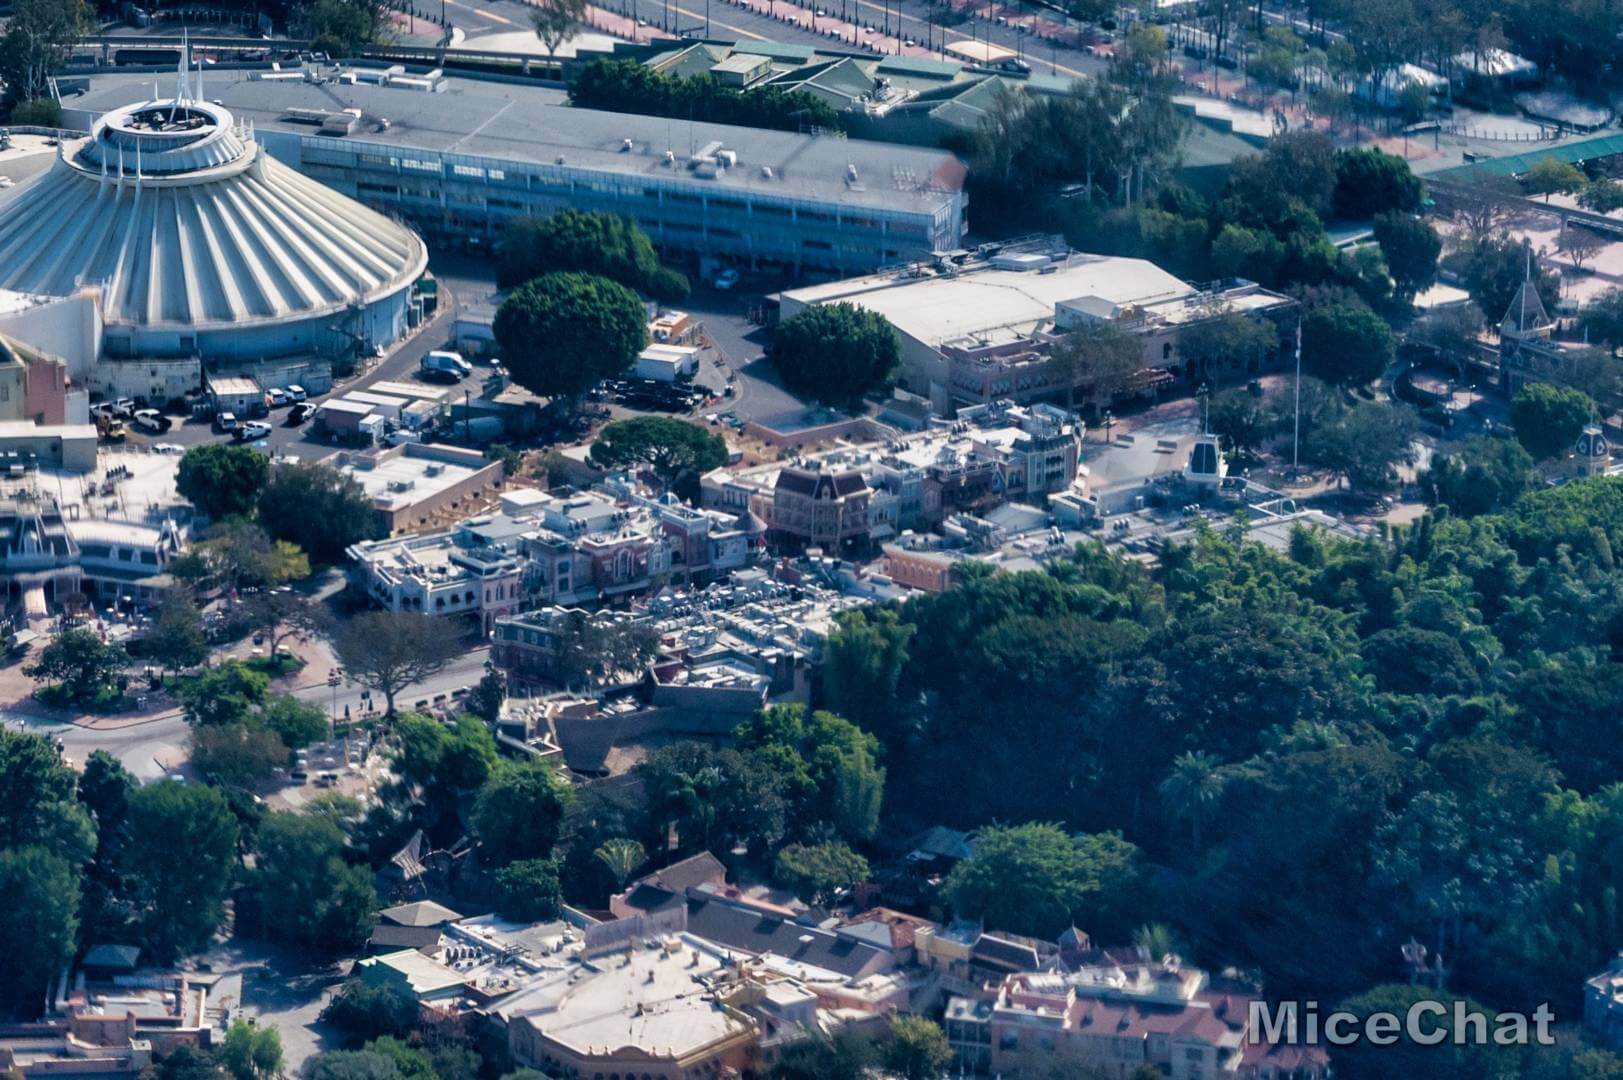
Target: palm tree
x,y
622,856
1193,788
1156,941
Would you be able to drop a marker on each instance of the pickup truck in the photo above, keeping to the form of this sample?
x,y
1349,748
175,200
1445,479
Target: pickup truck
x,y
151,420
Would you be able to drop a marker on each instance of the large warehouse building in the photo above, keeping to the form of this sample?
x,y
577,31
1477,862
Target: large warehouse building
x,y
463,157
978,328
192,241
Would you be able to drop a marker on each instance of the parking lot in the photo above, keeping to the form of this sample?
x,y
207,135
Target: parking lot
x,y
303,439
732,354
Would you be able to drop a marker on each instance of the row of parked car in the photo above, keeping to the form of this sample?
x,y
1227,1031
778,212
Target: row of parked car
x,y
650,394
292,397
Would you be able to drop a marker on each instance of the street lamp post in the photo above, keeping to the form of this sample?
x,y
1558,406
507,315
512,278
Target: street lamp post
x,y
333,680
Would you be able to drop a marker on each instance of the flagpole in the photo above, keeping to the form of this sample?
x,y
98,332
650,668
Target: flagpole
x,y
1296,434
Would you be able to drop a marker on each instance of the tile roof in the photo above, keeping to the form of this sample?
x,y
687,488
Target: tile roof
x,y
421,913
388,938
757,932
701,869
1000,952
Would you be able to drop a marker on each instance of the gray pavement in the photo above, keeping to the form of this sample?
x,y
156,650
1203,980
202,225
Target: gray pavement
x,y
282,989
154,748
400,364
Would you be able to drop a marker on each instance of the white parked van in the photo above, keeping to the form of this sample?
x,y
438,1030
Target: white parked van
x,y
447,363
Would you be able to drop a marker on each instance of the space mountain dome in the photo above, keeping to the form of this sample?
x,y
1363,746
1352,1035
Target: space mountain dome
x,y
200,243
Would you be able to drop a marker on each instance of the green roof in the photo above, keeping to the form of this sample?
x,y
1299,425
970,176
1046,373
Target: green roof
x,y
1051,84
1518,164
777,50
917,65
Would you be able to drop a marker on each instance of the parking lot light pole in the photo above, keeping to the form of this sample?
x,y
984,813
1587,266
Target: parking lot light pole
x,y
333,679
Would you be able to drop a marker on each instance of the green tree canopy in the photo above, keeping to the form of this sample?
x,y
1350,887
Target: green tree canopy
x,y
1411,247
917,1048
830,765
297,723
35,785
387,651
632,87
563,332
226,694
81,663
1550,176
1346,342
1243,420
37,42
1478,476
528,890
318,508
862,666
817,873
676,451
1548,418
1099,359
1229,342
1033,879
835,352
1371,181
176,640
1603,196
341,27
519,812
590,242
1493,269
1603,318
223,479
177,864
240,754
237,554
555,20
364,1012
41,891
1364,444
304,889
278,613
251,1052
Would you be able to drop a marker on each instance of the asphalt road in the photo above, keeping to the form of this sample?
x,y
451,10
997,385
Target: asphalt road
x,y
1050,42
400,364
151,748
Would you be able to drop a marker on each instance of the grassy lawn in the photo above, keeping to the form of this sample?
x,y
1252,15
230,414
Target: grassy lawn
x,y
284,664
106,699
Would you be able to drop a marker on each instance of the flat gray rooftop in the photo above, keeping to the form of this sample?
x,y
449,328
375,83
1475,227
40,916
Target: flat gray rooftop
x,y
528,124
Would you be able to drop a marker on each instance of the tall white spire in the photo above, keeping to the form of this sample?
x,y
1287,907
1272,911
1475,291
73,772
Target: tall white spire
x,y
182,88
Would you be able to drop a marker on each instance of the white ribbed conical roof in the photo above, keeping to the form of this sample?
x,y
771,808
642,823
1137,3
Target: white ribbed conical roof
x,y
183,220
